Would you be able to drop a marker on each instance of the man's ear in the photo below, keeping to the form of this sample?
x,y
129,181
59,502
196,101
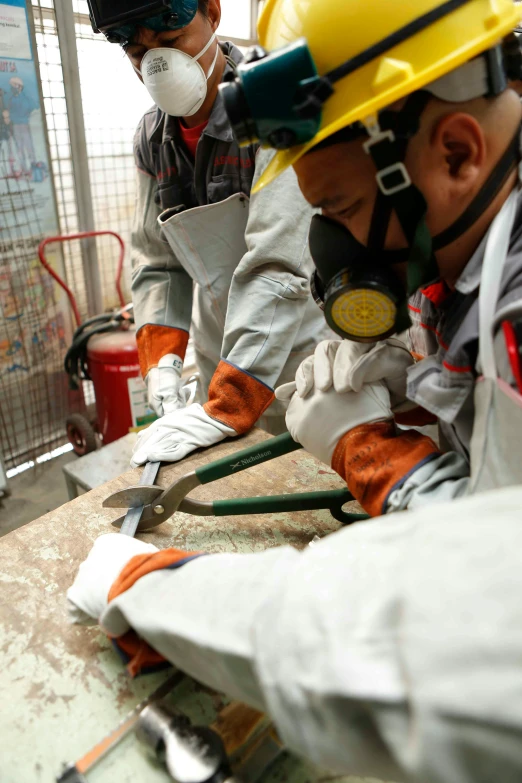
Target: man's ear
x,y
459,143
214,13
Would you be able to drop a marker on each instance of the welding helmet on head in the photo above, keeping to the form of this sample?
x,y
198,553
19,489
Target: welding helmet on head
x,y
332,70
118,19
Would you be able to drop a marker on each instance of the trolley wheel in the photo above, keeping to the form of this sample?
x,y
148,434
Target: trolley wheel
x,y
80,433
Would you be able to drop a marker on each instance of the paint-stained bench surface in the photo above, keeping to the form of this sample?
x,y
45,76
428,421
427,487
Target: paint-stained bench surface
x,y
63,688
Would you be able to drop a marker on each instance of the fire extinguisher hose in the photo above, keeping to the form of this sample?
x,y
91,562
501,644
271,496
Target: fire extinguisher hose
x,y
75,363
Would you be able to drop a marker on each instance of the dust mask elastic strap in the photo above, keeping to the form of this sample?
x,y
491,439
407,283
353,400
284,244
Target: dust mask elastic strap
x,y
198,57
204,50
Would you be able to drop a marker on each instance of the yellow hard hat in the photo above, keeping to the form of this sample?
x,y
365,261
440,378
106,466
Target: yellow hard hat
x,y
361,31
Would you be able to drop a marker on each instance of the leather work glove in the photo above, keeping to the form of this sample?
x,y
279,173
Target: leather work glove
x,y
164,386
322,418
177,434
113,567
347,366
88,597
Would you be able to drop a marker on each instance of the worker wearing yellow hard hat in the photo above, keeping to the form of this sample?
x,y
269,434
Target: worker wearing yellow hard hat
x,y
391,649
402,128
343,63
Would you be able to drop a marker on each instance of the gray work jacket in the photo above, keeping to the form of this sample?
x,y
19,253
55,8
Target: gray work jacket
x,y
446,330
207,258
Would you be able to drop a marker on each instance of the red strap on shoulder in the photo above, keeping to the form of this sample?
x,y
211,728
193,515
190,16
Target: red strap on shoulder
x,y
437,293
513,352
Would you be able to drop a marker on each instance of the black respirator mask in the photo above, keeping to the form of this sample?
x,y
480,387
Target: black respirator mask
x,y
362,297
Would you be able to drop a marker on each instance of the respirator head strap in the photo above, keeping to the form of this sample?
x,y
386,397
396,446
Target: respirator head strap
x,y
387,146
362,297
380,221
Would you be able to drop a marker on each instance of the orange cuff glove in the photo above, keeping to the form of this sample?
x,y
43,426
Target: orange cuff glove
x,y
155,341
374,460
236,398
137,654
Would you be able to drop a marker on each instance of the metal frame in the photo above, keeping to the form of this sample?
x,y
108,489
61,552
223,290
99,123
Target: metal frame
x,y
80,162
4,491
254,11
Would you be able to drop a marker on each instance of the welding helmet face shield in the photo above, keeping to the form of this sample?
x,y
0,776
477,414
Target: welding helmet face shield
x,y
119,20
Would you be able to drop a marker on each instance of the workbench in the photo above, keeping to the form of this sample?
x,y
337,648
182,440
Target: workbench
x,y
63,687
97,468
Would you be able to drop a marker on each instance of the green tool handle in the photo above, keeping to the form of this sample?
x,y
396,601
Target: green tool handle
x,y
306,501
255,455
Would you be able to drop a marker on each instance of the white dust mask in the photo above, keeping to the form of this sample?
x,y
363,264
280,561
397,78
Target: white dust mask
x,y
176,81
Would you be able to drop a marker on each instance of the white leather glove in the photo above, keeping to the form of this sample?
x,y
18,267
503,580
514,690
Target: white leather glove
x,y
174,436
164,386
347,366
87,598
320,420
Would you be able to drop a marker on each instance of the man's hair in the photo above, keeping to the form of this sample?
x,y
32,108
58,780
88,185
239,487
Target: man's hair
x,y
203,7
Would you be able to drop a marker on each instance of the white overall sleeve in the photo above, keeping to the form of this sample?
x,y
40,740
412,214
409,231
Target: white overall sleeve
x,y
391,648
270,310
448,476
440,480
161,289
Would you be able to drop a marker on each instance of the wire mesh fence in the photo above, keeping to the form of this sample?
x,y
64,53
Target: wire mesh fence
x,y
113,101
35,323
55,107
34,317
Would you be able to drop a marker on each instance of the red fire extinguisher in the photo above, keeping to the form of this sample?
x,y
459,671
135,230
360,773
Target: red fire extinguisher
x,y
112,362
103,350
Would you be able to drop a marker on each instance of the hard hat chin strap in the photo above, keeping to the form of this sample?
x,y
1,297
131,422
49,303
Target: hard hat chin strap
x,y
388,143
387,146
